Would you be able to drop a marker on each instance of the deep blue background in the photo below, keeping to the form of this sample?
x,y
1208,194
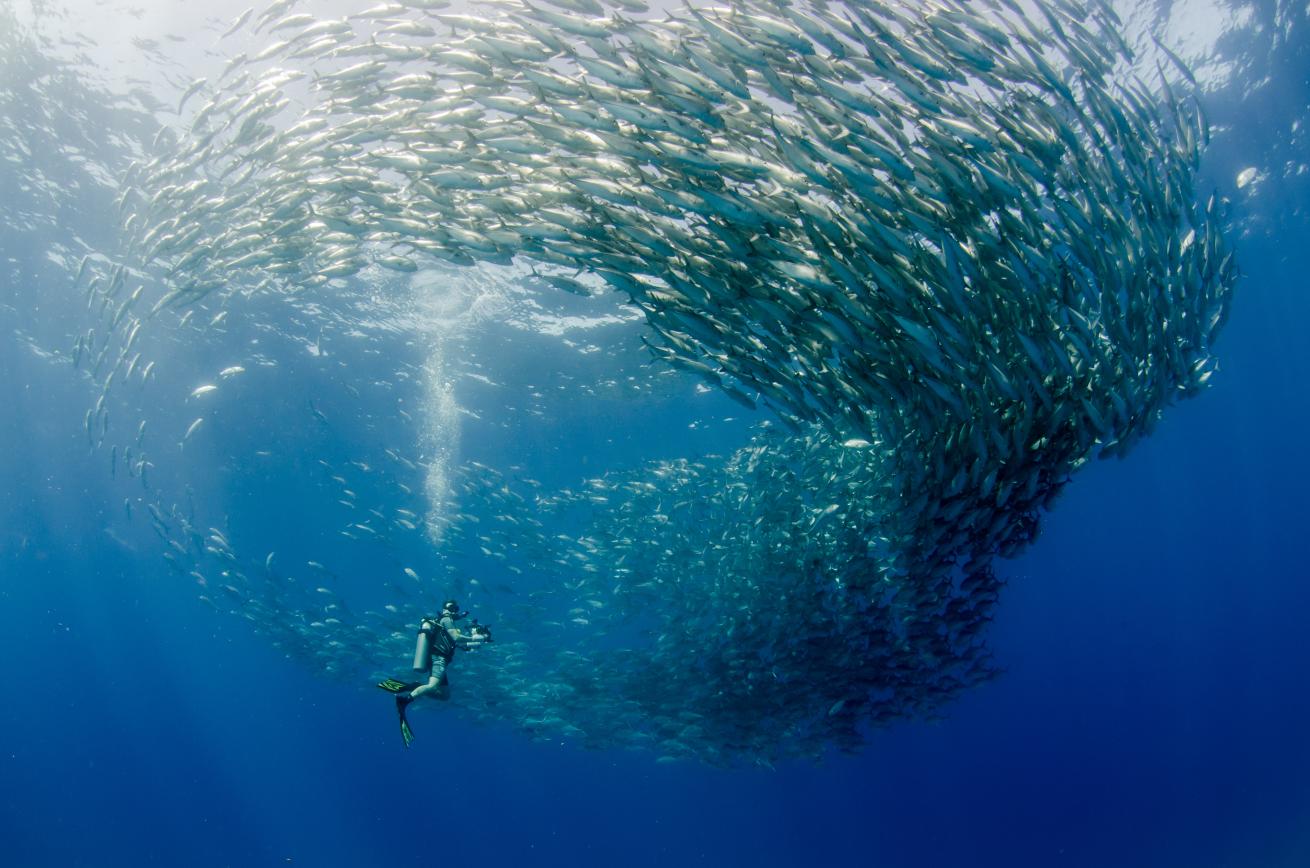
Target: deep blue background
x,y
1152,711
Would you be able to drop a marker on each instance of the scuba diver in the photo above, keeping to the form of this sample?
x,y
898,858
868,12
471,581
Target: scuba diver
x,y
434,648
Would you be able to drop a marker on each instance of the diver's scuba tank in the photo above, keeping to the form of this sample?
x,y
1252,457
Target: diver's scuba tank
x,y
423,647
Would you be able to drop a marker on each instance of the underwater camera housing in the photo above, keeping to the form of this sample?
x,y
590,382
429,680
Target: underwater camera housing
x,y
480,631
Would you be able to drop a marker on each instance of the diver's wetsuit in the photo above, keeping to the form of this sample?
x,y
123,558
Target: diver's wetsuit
x,y
443,651
433,650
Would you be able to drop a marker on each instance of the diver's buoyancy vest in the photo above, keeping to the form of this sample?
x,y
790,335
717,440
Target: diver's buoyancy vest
x,y
441,642
434,640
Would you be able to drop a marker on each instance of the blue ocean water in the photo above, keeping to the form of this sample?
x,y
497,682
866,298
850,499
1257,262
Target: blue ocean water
x,y
1151,710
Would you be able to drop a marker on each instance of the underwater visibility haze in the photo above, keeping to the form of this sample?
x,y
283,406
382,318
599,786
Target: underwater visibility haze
x,y
867,432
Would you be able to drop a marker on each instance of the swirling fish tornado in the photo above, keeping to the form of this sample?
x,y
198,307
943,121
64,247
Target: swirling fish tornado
x,y
956,250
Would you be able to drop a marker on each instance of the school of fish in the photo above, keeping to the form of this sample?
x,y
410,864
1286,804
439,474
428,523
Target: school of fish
x,y
953,249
